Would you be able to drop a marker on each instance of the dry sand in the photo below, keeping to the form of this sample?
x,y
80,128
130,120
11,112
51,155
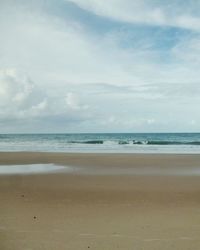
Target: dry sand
x,y
110,201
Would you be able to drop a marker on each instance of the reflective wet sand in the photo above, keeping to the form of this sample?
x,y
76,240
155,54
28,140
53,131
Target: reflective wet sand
x,y
31,169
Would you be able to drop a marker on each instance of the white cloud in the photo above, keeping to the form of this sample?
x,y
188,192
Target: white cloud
x,y
76,75
74,103
18,95
174,13
21,99
58,51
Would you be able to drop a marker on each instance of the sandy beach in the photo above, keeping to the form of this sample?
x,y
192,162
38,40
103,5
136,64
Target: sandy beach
x,y
106,201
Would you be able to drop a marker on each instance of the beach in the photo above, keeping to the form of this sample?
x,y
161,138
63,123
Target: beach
x,y
105,202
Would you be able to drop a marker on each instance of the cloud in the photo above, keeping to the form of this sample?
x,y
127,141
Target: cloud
x,y
61,72
73,102
52,49
21,99
18,95
172,13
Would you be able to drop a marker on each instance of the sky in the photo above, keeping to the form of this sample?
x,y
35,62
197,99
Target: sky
x,y
83,66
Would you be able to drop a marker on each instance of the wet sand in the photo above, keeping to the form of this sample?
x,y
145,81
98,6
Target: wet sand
x,y
108,201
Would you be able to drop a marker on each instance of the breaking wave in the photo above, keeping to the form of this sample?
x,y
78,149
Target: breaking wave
x,y
88,142
135,142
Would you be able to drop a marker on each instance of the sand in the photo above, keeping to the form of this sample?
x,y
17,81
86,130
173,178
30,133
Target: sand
x,y
108,201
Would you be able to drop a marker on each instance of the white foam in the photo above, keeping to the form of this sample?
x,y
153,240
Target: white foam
x,y
30,169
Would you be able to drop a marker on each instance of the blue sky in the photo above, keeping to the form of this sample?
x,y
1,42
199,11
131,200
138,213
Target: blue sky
x,y
99,66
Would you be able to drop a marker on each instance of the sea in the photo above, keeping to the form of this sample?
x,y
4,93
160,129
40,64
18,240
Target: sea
x,y
103,142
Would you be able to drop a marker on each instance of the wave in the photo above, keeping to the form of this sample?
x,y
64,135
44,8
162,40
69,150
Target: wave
x,y
88,142
123,142
167,142
140,142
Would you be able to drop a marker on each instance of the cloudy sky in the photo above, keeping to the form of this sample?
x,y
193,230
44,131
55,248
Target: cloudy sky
x,y
99,66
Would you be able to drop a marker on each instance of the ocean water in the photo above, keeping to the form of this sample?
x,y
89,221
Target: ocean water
x,y
32,169
106,143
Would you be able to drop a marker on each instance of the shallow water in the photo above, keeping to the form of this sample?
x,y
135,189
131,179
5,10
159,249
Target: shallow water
x,y
30,169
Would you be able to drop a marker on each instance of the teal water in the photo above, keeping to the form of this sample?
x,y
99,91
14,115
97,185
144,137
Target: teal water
x,y
121,142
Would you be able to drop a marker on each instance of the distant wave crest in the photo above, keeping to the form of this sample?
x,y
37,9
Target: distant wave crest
x,y
153,142
135,142
88,142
